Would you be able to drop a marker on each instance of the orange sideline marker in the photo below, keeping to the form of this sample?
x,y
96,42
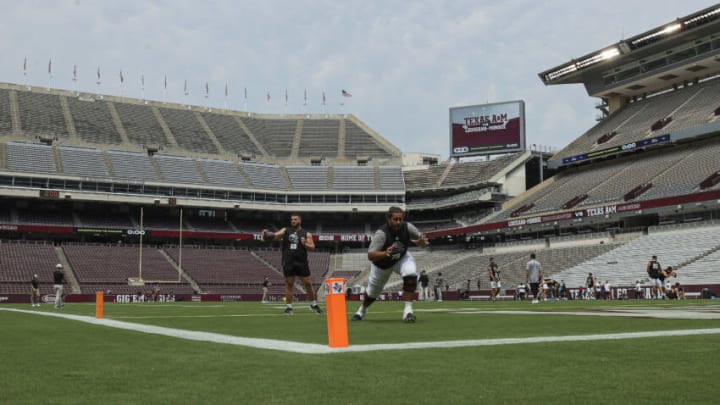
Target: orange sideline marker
x,y
336,314
99,301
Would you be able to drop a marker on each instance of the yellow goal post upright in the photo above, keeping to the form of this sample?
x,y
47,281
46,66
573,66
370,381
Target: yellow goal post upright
x,y
139,280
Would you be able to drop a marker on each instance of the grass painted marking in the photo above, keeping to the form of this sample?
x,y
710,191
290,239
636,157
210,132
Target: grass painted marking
x,y
312,348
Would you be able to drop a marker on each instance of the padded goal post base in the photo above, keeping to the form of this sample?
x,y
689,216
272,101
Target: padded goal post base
x,y
135,281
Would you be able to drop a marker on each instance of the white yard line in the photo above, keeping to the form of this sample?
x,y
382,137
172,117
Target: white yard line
x,y
312,348
663,313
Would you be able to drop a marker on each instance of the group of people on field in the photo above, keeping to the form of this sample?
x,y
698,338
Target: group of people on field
x,y
659,287
388,254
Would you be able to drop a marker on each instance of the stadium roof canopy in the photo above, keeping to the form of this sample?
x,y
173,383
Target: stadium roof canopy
x,y
678,52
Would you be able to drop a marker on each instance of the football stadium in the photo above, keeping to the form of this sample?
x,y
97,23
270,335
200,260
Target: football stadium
x,y
155,212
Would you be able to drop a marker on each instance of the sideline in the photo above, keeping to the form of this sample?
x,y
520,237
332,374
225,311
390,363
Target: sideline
x,y
312,348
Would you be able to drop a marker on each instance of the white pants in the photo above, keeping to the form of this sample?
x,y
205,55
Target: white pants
x,y
378,277
58,295
424,293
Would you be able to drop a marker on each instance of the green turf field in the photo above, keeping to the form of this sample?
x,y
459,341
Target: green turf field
x,y
56,360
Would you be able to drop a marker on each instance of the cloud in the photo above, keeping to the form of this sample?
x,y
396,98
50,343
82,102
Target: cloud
x,y
405,63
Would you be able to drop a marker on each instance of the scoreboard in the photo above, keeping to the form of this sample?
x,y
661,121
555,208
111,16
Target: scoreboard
x,y
487,129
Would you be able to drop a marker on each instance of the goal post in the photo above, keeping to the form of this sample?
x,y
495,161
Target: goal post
x,y
139,280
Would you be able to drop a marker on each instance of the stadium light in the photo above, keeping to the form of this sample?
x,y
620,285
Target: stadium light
x,y
609,53
665,31
709,14
671,28
573,67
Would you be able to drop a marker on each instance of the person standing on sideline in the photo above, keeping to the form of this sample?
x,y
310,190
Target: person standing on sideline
x,y
296,242
35,291
58,281
562,291
653,270
388,253
424,281
438,287
521,291
638,290
533,275
590,283
608,290
265,285
494,274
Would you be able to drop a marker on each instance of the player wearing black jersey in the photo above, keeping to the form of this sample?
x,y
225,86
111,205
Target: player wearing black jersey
x,y
653,270
590,286
494,274
296,242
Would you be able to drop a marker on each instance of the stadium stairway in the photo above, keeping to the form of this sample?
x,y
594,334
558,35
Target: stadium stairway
x,y
444,175
518,200
69,274
697,258
156,168
119,127
69,122
204,125
164,126
200,171
58,161
184,275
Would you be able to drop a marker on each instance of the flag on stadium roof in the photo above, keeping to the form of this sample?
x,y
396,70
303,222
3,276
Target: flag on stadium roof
x,y
207,89
267,99
98,74
25,66
122,78
345,93
245,91
286,97
323,98
185,90
74,73
50,67
305,97
166,82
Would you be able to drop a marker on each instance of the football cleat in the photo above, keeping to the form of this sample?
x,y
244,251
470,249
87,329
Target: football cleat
x,y
409,317
288,311
356,317
316,308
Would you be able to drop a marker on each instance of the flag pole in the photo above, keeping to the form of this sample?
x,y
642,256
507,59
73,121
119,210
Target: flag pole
x,y
25,71
246,101
74,79
226,96
49,73
207,93
98,80
305,96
